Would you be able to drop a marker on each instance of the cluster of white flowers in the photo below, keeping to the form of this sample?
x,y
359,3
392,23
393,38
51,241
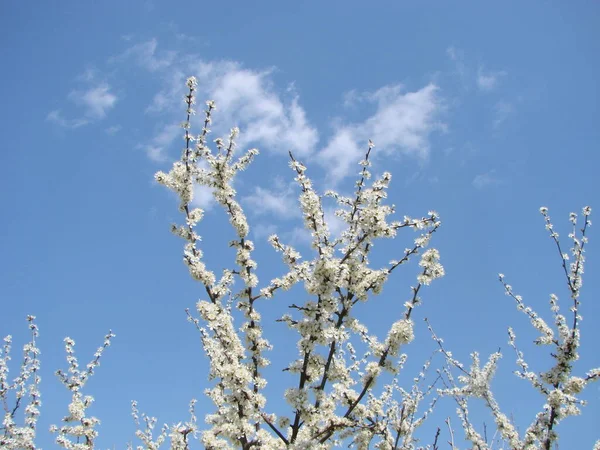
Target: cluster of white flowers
x,y
26,388
400,334
432,269
179,434
325,403
334,401
235,361
79,431
557,385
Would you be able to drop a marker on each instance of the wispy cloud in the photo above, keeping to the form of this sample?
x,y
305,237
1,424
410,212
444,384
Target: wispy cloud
x,y
248,99
157,148
203,198
57,118
402,123
261,231
297,237
335,224
146,55
351,98
96,100
275,121
487,179
487,81
270,119
264,201
457,56
113,130
280,202
166,100
503,110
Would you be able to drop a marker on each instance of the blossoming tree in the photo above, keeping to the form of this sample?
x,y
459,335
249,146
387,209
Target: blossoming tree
x,y
333,401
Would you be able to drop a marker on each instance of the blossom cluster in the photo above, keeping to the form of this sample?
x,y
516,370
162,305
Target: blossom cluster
x,y
558,386
337,362
26,388
79,431
330,400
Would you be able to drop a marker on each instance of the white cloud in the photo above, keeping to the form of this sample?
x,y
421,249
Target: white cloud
x,y
402,123
145,55
487,81
351,98
503,110
274,120
96,100
262,231
280,201
335,224
342,153
156,154
160,143
247,99
57,118
203,198
113,130
89,75
297,237
485,179
167,99
453,53
268,119
457,56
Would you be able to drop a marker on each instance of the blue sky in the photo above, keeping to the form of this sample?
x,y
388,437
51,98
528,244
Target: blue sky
x,y
482,111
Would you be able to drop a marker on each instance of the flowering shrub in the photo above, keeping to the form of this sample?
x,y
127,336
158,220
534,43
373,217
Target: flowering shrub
x,y
333,402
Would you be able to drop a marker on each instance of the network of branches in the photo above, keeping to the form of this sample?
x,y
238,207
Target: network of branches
x,y
338,361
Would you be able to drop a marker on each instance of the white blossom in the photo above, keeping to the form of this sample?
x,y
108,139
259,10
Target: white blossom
x,y
347,377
